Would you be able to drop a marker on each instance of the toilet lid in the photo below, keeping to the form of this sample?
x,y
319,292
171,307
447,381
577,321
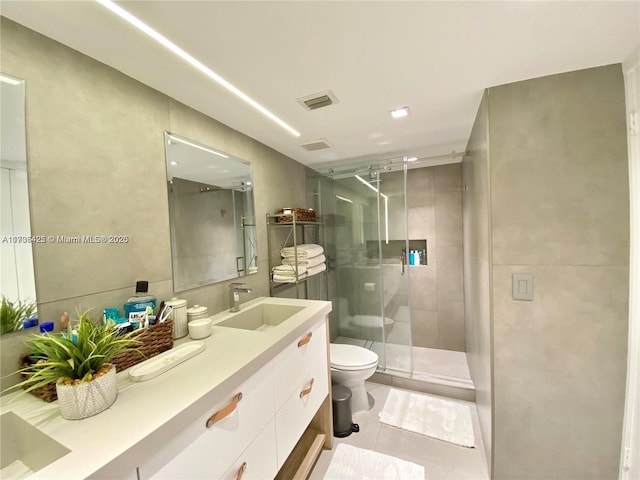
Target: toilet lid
x,y
351,357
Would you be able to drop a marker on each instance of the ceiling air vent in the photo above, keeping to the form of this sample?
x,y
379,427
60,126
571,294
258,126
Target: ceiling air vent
x,y
318,100
316,145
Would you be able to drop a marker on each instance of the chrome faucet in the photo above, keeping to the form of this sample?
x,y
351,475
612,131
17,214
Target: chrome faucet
x,y
235,289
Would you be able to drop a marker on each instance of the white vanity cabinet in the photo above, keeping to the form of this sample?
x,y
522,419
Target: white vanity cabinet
x,y
259,460
252,436
302,384
206,449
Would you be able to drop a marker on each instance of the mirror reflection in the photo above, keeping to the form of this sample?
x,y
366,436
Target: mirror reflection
x,y
17,277
211,214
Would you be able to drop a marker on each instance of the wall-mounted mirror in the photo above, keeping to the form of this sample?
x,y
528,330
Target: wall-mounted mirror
x,y
16,258
211,214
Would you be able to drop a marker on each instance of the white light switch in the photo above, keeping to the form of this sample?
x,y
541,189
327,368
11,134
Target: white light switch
x,y
522,286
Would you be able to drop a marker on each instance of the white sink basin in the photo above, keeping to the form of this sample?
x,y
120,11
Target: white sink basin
x,y
261,317
25,449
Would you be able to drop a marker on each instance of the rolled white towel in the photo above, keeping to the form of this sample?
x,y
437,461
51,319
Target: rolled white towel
x,y
304,250
287,278
317,269
287,269
305,262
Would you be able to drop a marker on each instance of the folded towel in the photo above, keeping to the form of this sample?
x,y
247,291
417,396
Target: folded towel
x,y
287,278
305,262
286,269
317,269
305,250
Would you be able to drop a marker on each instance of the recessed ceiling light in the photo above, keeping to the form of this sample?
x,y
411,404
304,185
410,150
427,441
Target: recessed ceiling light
x,y
164,41
412,159
399,112
174,163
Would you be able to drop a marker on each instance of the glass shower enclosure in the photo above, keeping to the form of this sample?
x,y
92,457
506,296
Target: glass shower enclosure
x,y
365,215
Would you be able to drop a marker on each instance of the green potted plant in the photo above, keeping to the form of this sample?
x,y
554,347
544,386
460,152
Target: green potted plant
x,y
13,314
79,364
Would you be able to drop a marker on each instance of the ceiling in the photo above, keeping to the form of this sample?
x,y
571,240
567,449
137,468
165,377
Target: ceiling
x,y
434,57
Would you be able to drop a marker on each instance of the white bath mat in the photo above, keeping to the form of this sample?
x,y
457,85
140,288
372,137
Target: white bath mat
x,y
431,416
355,463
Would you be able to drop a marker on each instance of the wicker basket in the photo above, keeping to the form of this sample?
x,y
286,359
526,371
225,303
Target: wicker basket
x,y
46,392
285,215
155,340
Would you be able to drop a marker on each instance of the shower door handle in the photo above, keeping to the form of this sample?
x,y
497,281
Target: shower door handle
x,y
403,259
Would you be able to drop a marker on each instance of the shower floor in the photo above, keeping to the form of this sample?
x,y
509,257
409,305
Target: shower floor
x,y
434,370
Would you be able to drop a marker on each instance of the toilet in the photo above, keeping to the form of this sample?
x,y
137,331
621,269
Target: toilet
x,y
351,366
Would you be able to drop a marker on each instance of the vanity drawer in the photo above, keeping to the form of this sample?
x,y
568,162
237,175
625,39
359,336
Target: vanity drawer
x,y
295,415
259,460
295,362
201,451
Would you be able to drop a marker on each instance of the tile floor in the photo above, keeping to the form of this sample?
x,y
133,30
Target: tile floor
x,y
441,460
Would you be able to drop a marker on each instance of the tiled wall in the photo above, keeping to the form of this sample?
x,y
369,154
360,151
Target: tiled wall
x,y
96,166
434,203
477,270
549,158
560,211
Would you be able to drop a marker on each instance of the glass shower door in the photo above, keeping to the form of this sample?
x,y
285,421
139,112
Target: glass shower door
x,y
357,263
394,271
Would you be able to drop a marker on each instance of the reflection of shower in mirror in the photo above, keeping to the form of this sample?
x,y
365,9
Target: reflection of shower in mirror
x,y
212,235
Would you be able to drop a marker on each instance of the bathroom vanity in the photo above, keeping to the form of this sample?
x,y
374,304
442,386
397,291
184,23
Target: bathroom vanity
x,y
254,404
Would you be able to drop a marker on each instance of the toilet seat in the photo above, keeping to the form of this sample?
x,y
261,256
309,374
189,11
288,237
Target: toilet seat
x,y
351,357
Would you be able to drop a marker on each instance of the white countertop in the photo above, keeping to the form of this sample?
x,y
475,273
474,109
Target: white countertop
x,y
146,413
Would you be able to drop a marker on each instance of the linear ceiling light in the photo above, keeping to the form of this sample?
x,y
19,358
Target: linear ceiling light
x,y
140,25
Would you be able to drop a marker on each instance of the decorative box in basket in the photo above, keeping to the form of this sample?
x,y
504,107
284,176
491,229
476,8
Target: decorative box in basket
x,y
285,215
154,340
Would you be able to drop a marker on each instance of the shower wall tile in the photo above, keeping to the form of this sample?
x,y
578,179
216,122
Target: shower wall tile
x,y
449,271
424,328
447,177
396,217
448,218
435,214
422,223
420,189
423,287
451,334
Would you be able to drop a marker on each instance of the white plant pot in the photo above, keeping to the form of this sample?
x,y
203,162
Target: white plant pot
x,y
87,398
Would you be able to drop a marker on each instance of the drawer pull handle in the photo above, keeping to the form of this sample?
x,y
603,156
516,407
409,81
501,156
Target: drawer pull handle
x,y
307,390
305,340
241,471
220,414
